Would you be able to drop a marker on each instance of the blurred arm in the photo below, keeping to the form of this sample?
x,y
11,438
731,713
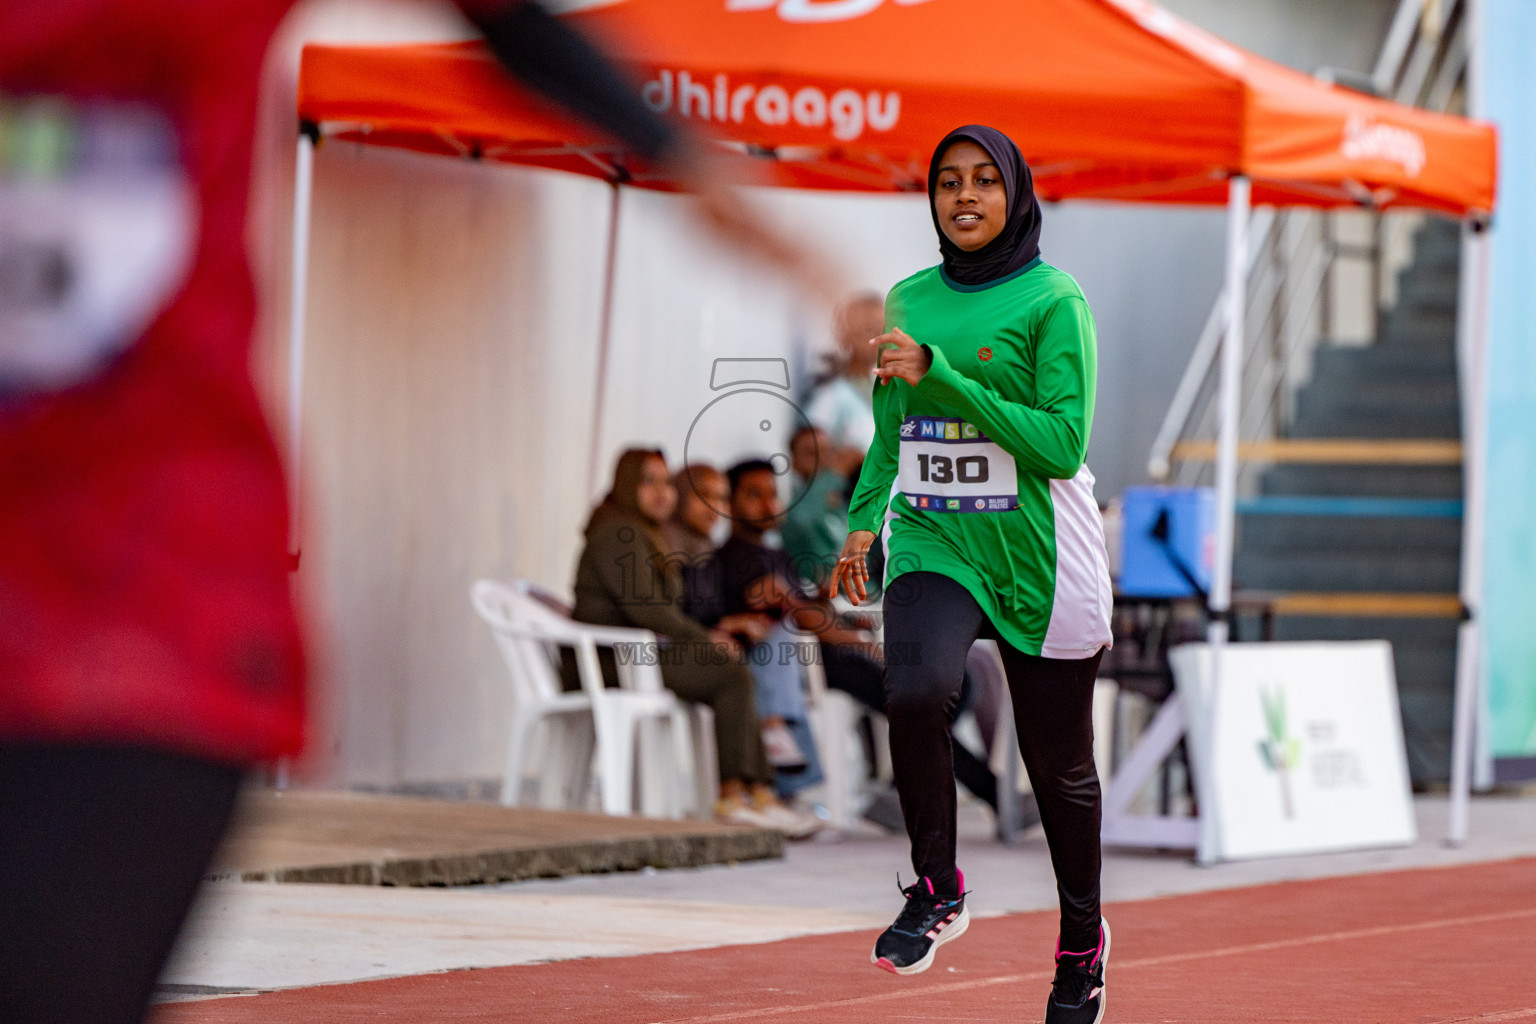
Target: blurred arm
x,y
557,61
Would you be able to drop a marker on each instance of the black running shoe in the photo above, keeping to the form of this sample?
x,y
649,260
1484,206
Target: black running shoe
x,y
924,924
1077,994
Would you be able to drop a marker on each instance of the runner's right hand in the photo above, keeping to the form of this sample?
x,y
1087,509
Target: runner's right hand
x,y
852,571
900,356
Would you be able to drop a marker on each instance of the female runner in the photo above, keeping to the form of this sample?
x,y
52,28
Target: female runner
x,y
983,403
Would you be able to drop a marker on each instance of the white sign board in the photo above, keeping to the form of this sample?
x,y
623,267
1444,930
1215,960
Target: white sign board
x,y
1299,750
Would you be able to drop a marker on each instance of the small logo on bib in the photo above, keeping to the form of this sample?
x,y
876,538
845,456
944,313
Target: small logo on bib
x,y
984,354
949,465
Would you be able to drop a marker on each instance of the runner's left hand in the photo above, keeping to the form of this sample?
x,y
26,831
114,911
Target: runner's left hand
x,y
852,572
900,356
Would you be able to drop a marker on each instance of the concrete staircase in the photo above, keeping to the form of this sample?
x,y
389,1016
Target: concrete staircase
x,y
1403,386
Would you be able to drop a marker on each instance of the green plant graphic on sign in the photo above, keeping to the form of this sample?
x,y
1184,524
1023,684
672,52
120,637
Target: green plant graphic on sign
x,y
1279,751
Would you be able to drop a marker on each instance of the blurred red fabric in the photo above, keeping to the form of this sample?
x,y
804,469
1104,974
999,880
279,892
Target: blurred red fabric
x,y
144,591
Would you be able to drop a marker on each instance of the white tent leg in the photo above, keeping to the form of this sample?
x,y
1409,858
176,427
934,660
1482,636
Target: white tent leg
x,y
1472,331
1229,406
303,190
605,336
1229,387
1161,738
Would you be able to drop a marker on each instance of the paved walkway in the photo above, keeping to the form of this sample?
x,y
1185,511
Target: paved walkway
x,y
356,838
257,936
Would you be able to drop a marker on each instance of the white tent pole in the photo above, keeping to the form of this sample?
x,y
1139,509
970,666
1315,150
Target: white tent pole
x,y
1472,363
303,189
1239,193
1472,348
1230,386
605,335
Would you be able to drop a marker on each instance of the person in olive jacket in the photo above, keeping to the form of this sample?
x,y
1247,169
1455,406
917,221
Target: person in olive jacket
x,y
624,579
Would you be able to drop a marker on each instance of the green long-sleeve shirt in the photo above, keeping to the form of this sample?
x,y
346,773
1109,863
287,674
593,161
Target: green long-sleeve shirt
x,y
978,472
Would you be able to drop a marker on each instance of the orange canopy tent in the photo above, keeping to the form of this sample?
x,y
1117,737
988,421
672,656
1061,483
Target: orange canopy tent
x,y
1108,99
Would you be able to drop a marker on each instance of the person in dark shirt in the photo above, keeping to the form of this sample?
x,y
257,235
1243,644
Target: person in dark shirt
x,y
702,498
687,542
746,575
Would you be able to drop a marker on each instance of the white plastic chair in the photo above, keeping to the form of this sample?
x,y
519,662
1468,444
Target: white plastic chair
x,y
537,701
640,717
834,718
701,720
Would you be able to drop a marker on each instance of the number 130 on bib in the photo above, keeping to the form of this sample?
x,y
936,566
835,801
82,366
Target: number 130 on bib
x,y
949,465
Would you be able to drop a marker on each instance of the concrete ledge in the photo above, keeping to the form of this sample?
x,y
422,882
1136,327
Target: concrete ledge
x,y
357,839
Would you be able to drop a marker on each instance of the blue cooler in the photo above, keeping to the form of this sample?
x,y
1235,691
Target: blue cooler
x,y
1147,566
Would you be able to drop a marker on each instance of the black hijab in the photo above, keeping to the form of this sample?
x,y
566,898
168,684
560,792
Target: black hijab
x,y
1019,241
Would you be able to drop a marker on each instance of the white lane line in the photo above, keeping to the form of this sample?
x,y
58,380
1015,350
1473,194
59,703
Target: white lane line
x,y
1120,965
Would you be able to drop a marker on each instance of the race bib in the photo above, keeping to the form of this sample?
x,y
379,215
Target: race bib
x,y
97,229
948,465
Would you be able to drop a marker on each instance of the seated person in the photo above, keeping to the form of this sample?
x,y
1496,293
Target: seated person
x,y
816,522
623,580
746,575
702,498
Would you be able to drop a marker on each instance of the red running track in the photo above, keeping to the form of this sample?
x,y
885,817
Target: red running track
x,y
1408,947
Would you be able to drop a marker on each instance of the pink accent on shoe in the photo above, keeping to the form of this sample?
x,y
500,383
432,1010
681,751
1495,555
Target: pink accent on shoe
x,y
1095,951
930,885
933,933
886,965
960,881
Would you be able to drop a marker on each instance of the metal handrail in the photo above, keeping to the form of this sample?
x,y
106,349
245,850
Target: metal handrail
x,y
1292,257
1271,333
1394,50
1203,358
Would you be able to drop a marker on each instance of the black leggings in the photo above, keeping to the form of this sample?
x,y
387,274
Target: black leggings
x,y
101,853
864,681
930,623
